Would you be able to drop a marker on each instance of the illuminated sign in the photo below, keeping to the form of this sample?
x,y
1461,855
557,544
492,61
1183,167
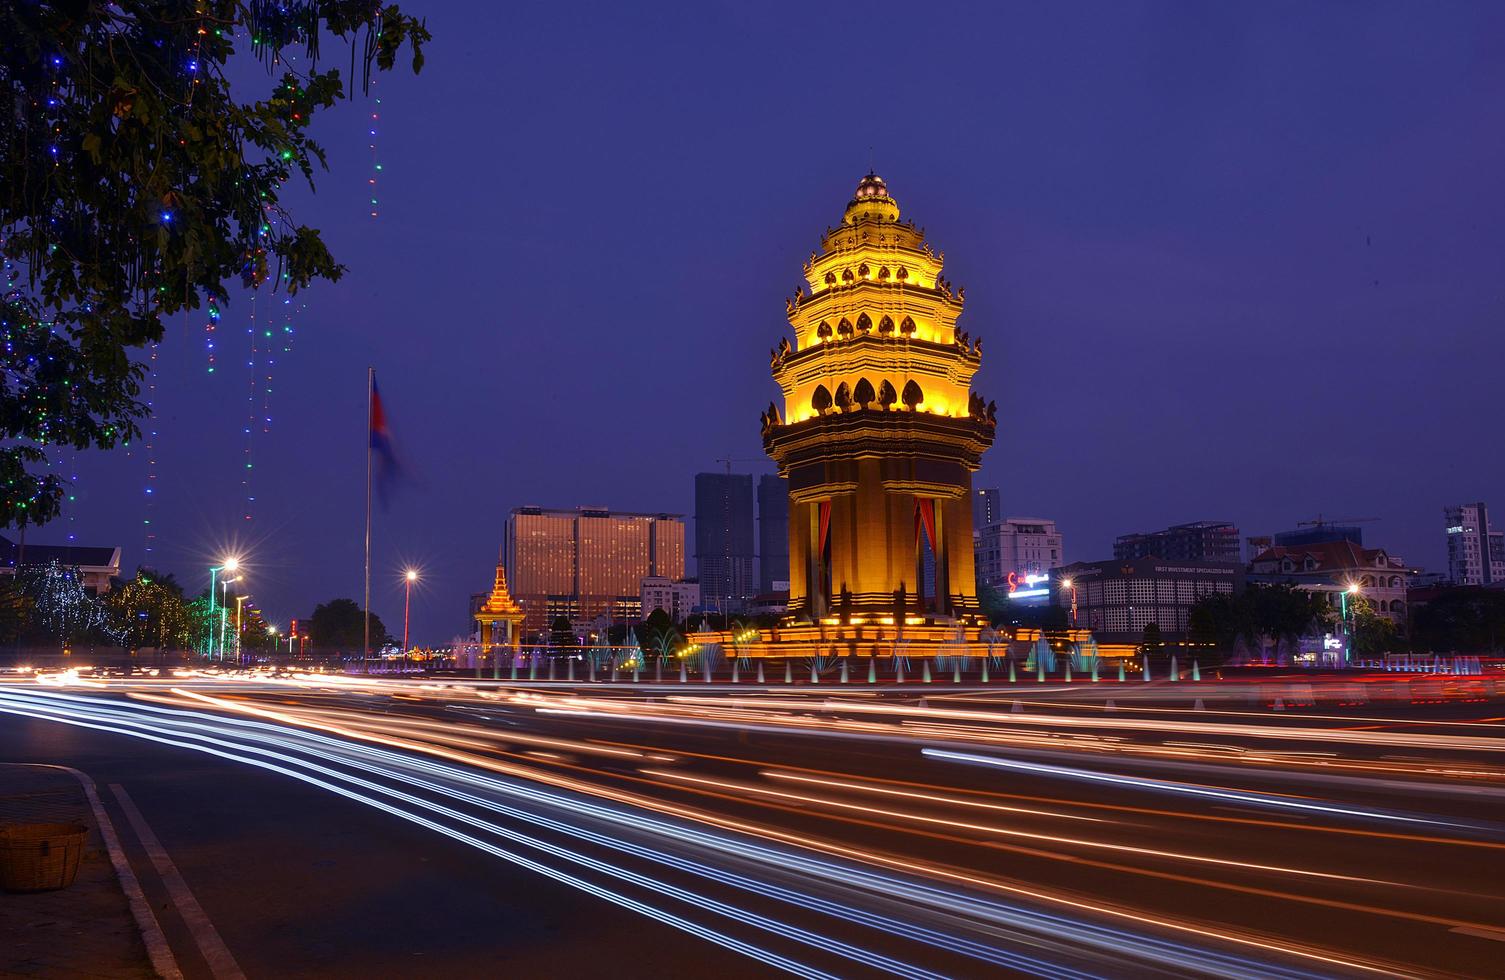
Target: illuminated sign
x,y
1024,586
1457,529
1016,580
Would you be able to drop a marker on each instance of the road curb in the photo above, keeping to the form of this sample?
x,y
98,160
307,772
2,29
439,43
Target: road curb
x,y
157,948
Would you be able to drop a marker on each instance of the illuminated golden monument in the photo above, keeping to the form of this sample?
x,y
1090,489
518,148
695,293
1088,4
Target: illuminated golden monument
x,y
880,432
499,608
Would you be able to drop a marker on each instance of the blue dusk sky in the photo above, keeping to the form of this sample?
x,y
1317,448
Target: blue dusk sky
x,y
1230,261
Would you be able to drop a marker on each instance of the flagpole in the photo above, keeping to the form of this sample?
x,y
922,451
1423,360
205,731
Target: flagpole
x,y
366,606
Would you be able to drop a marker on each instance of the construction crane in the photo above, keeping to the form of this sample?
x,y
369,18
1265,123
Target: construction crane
x,y
1326,522
729,460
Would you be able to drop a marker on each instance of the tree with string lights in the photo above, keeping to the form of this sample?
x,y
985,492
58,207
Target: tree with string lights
x,y
134,184
149,611
63,611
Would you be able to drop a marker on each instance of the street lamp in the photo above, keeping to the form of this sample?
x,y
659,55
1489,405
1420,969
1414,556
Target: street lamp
x,y
1067,583
224,612
238,600
1352,590
409,577
228,565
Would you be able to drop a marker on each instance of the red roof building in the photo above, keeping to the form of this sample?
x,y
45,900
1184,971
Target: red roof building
x,y
1380,576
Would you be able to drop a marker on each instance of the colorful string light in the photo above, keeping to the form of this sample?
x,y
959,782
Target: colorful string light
x,y
249,463
151,453
210,324
375,163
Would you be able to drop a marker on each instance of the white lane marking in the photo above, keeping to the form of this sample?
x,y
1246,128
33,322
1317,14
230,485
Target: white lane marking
x,y
157,947
216,953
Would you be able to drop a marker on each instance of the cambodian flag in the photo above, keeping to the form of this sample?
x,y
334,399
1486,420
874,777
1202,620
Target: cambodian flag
x,y
387,472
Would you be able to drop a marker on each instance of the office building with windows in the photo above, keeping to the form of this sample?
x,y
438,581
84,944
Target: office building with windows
x,y
587,563
1197,541
677,599
1011,548
1118,599
724,556
773,535
1476,551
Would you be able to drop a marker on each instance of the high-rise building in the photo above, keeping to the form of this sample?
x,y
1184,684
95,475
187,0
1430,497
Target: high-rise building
x,y
1476,551
1015,547
1197,541
986,507
773,535
880,431
587,562
724,557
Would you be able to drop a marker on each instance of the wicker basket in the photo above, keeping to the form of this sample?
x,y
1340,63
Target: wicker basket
x,y
39,857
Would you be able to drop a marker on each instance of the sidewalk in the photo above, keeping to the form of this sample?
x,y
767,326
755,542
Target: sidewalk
x,y
85,930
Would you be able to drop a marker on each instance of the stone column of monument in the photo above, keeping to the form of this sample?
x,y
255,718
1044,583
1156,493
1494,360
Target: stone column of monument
x,y
880,433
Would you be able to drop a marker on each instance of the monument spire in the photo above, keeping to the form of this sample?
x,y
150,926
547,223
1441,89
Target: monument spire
x,y
880,432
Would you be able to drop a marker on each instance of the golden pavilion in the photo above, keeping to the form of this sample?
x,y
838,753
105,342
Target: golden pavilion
x,y
499,609
879,433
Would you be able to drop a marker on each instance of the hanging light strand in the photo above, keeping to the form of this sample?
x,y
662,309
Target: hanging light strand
x,y
376,167
247,462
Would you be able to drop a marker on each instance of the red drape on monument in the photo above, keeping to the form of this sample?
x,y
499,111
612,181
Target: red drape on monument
x,y
825,526
924,517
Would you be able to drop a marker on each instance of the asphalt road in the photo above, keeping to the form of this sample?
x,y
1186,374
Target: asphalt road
x,y
342,826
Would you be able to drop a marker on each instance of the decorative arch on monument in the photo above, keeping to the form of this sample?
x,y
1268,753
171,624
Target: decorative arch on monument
x,y
887,395
844,328
821,400
863,394
843,396
823,331
886,325
907,328
913,396
864,323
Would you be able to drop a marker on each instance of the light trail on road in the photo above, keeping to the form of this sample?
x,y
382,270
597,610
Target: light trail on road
x,y
843,872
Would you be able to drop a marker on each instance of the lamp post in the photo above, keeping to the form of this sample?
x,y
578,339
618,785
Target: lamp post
x,y
224,612
1353,589
228,565
1070,584
238,600
409,577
